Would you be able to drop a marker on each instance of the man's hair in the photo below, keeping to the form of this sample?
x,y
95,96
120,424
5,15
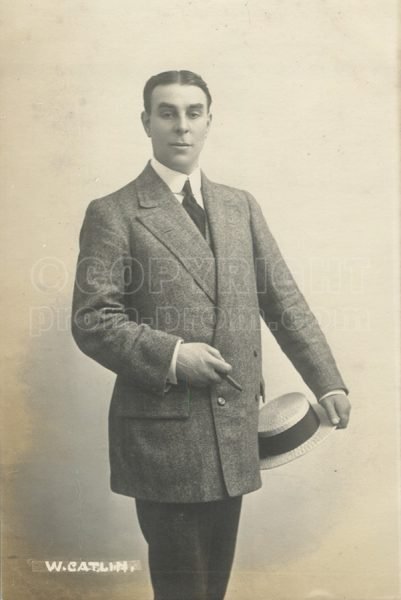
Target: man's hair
x,y
168,77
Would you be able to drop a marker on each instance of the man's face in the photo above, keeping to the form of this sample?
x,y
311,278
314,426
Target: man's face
x,y
177,125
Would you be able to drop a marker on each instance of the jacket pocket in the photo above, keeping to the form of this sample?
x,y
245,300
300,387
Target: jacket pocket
x,y
129,400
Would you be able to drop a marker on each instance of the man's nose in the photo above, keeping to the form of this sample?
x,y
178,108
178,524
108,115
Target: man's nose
x,y
182,124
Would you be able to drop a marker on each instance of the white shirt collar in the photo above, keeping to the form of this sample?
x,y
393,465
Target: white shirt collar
x,y
176,180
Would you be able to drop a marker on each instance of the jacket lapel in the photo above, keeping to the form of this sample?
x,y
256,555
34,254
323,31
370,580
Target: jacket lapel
x,y
223,217
165,218
216,215
226,223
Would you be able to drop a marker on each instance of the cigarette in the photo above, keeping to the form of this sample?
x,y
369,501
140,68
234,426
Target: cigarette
x,y
232,382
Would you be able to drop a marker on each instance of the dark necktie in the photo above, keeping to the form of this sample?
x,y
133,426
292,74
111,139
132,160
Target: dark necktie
x,y
195,211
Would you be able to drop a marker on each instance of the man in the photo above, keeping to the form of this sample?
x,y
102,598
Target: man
x,y
173,274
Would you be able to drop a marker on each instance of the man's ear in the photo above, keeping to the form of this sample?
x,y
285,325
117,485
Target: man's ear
x,y
145,118
209,122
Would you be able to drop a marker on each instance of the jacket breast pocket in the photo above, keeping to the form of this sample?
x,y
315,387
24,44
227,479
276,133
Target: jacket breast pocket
x,y
129,400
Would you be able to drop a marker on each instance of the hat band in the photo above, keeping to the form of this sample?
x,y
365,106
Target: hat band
x,y
291,438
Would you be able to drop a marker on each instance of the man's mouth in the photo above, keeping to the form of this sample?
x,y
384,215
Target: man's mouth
x,y
180,144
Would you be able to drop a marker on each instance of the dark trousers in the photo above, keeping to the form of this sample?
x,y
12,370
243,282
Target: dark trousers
x,y
191,547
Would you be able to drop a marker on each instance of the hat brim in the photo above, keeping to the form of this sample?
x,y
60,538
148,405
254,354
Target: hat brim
x,y
324,429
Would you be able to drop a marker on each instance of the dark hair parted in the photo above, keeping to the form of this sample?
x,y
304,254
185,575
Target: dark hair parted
x,y
168,77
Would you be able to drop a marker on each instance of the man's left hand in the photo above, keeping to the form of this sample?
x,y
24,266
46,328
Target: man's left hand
x,y
338,409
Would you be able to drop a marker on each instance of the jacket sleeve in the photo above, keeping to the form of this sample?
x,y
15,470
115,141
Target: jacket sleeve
x,y
287,314
102,325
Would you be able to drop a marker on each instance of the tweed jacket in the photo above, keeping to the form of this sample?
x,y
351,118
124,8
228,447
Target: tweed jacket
x,y
145,279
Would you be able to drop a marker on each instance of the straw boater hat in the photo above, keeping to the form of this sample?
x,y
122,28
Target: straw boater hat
x,y
290,426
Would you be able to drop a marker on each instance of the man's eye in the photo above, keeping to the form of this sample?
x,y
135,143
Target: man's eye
x,y
166,115
194,115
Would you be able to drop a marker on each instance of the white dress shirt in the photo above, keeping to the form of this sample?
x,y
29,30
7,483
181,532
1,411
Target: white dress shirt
x,y
176,181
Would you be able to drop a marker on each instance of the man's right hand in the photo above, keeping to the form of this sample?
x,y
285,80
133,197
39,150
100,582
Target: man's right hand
x,y
200,364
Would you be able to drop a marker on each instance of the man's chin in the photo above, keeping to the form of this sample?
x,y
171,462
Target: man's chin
x,y
181,164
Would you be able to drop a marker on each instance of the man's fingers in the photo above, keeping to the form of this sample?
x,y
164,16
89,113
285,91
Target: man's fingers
x,y
338,409
215,352
331,411
220,365
343,410
215,377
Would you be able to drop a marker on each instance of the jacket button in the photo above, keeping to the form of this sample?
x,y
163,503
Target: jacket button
x,y
221,401
255,352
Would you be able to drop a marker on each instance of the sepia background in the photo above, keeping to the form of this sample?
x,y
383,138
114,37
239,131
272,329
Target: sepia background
x,y
305,118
